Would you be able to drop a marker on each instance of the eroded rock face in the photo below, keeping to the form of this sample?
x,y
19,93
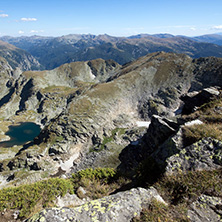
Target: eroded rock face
x,y
205,154
18,58
122,207
159,130
206,208
5,76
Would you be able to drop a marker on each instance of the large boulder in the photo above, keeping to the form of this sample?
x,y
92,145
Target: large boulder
x,y
195,99
206,154
160,129
122,207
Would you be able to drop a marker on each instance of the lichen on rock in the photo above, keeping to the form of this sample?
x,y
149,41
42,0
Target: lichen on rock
x,y
206,208
122,206
202,155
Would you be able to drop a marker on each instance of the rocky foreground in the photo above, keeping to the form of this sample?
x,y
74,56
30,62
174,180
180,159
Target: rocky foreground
x,y
153,118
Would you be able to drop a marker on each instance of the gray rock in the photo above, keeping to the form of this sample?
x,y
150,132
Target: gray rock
x,y
205,154
206,209
81,192
170,147
58,148
159,130
194,100
122,207
69,200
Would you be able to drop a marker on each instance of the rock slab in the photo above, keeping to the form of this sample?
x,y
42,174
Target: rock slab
x,y
206,209
206,154
122,206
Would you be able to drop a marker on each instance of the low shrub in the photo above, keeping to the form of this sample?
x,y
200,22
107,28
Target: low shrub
x,y
26,197
98,182
98,173
33,197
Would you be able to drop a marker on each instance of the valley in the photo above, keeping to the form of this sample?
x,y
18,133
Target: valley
x,y
114,127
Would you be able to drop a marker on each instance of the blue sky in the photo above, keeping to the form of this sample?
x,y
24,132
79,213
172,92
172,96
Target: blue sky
x,y
117,18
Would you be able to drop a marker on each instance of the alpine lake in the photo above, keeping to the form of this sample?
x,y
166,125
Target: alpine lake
x,y
21,134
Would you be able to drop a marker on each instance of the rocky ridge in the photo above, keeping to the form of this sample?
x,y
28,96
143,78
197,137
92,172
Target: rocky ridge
x,y
18,58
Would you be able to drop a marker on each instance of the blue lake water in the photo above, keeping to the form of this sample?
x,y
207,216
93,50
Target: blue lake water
x,y
21,134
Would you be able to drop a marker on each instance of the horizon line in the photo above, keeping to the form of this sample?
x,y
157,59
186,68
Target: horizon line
x,y
105,34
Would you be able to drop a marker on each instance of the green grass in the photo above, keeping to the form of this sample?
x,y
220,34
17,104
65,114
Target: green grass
x,y
33,197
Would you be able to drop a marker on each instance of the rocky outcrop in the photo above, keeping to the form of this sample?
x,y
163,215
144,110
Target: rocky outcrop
x,y
164,143
69,200
206,208
122,207
206,154
160,129
195,99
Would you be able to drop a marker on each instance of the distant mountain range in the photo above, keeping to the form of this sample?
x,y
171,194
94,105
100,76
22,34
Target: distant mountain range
x,y
213,38
52,52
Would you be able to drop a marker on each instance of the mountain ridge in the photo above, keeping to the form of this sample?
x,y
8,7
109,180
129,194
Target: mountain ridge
x,y
52,52
18,58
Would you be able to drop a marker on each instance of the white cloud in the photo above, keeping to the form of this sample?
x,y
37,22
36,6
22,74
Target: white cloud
x,y
36,31
3,15
193,29
28,19
217,27
21,32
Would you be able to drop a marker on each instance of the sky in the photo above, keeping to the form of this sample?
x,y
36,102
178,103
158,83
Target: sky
x,y
112,17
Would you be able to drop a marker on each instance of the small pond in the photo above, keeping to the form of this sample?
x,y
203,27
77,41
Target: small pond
x,y
20,134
